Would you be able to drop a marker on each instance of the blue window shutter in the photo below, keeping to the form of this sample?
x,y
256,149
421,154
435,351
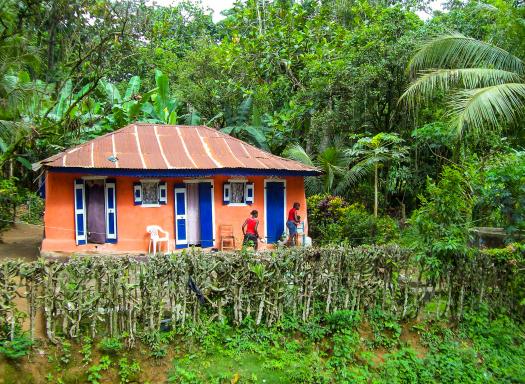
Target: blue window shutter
x,y
80,212
111,211
206,214
42,185
181,237
163,192
226,193
249,193
137,193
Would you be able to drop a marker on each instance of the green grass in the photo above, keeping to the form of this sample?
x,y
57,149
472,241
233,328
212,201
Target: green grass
x,y
247,366
345,347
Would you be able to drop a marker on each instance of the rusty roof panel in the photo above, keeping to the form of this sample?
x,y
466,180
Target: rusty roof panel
x,y
220,150
198,152
172,146
149,146
127,150
150,150
80,156
102,150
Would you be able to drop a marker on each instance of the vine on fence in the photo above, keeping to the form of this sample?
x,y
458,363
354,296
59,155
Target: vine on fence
x,y
112,296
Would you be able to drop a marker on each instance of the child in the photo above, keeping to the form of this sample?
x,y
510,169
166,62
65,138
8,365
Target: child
x,y
293,221
249,230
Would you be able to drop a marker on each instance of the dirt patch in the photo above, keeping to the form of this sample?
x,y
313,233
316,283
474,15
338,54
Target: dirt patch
x,y
22,241
44,361
413,340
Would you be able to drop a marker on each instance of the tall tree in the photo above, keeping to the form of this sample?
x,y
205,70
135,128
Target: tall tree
x,y
370,154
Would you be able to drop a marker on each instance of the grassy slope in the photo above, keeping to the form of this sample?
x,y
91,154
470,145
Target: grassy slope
x,y
342,348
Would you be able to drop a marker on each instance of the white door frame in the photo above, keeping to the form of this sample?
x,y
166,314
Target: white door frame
x,y
273,180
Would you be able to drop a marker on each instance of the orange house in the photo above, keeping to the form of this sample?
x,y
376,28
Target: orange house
x,y
189,180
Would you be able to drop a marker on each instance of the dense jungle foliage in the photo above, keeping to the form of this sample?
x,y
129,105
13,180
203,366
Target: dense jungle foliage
x,y
382,101
416,124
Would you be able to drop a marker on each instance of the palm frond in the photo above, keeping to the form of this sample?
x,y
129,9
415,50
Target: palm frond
x,y
430,82
353,175
458,51
491,106
297,153
255,136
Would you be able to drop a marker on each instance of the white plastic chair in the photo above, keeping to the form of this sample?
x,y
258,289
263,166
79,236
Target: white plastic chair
x,y
155,232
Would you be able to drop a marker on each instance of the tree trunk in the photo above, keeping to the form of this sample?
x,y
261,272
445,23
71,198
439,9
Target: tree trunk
x,y
375,190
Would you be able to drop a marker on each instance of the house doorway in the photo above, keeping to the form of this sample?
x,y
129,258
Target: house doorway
x,y
274,201
96,212
194,230
194,217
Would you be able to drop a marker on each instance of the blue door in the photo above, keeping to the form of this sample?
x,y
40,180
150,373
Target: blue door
x,y
206,214
274,197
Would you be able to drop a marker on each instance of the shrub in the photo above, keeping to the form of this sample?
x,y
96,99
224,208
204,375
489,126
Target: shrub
x,y
17,348
128,371
111,345
34,209
332,220
343,320
10,199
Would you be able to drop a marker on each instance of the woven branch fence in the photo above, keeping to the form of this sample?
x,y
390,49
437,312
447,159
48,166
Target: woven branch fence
x,y
114,295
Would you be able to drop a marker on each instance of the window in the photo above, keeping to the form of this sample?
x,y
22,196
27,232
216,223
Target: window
x,y
150,192
237,193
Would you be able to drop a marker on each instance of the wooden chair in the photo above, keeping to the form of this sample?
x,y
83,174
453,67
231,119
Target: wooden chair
x,y
226,237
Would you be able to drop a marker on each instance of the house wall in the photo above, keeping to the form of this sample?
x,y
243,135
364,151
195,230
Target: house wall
x,y
133,219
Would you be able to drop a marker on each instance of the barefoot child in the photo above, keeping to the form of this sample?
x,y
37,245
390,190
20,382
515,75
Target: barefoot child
x,y
249,230
293,221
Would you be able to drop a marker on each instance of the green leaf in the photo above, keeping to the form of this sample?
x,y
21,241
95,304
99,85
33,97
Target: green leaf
x,y
64,100
133,88
163,90
24,162
112,93
463,52
256,136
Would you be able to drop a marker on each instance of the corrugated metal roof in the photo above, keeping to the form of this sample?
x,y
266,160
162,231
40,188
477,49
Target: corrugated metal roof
x,y
176,147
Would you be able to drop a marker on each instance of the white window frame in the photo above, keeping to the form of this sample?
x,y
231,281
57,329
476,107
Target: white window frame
x,y
239,181
154,205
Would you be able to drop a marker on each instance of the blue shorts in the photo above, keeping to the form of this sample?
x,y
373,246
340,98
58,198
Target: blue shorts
x,y
292,227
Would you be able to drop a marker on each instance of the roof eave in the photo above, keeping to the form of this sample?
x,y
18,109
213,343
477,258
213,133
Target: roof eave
x,y
184,172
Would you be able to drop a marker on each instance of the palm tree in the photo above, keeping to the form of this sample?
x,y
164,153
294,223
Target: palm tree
x,y
332,161
485,83
370,153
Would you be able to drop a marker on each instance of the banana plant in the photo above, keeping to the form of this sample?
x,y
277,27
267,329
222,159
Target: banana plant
x,y
243,124
161,108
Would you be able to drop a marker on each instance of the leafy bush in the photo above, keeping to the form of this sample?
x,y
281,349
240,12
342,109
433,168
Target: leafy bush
x,y
111,345
385,327
95,371
502,193
33,211
17,348
14,199
128,371
440,227
343,320
10,199
332,220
